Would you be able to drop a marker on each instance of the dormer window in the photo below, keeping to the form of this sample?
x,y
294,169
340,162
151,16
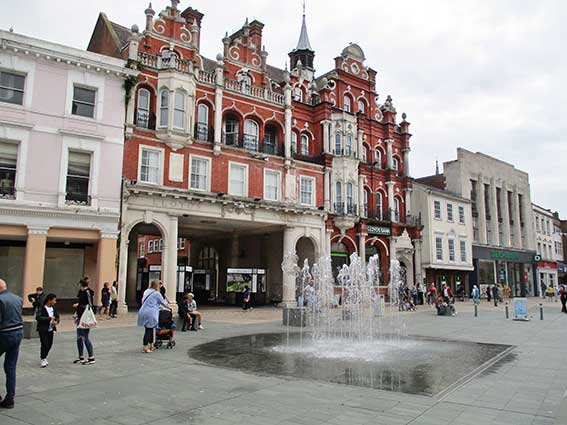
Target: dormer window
x,y
361,107
304,145
298,94
347,106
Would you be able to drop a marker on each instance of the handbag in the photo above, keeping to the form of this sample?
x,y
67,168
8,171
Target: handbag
x,y
88,318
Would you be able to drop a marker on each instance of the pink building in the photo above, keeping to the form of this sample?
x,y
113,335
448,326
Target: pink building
x,y
61,145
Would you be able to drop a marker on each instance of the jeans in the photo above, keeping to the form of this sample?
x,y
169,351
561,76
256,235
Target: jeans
x,y
148,336
113,308
10,346
46,339
83,338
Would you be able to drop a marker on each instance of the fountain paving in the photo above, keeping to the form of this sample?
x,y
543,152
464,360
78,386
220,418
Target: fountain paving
x,y
127,386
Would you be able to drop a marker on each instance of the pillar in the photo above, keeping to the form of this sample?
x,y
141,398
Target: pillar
x,y
517,225
123,274
494,207
391,203
219,80
362,247
389,153
359,145
506,217
361,211
406,152
419,273
288,280
326,136
34,261
169,261
327,189
407,201
106,262
287,123
481,211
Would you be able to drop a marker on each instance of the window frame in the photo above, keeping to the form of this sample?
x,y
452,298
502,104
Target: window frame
x,y
22,91
347,105
163,108
450,216
293,142
138,108
313,190
161,152
305,143
89,178
209,171
363,109
279,185
462,215
232,164
464,252
437,211
452,252
379,211
439,249
180,94
94,104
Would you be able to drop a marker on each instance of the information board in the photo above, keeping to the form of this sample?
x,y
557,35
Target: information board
x,y
521,309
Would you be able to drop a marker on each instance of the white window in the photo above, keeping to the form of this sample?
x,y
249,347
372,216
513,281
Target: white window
x,y
143,112
78,176
378,162
298,94
238,180
179,110
439,248
293,142
364,155
304,145
379,205
272,185
347,103
338,144
449,212
395,165
150,247
361,106
462,215
452,250
349,195
141,249
396,210
161,245
203,115
339,193
365,203
199,174
150,166
463,251
437,210
181,243
12,88
251,135
8,165
164,108
84,101
307,195
348,144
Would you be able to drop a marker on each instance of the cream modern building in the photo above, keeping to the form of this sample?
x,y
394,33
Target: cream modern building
x,y
61,142
503,235
546,248
446,254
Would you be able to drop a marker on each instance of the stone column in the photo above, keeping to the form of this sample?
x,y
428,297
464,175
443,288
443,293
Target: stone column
x,y
361,212
326,136
481,211
131,286
329,235
219,87
419,273
517,226
407,200
106,262
391,203
169,262
327,189
287,123
406,152
359,145
288,280
494,208
505,216
389,153
362,247
34,261
123,274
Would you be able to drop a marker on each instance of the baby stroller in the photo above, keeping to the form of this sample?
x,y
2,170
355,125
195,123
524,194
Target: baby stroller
x,y
165,330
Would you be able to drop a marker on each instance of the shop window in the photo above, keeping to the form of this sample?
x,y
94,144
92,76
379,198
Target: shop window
x,y
83,102
199,174
12,88
8,164
150,166
78,176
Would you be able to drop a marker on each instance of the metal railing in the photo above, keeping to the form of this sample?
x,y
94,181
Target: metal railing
x,y
341,208
204,133
250,142
145,120
8,192
77,198
270,147
348,152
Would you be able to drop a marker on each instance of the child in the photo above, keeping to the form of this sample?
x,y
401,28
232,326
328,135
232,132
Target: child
x,y
47,320
105,300
184,314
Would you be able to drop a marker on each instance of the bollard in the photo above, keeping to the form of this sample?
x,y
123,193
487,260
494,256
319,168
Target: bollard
x,y
507,313
475,310
540,311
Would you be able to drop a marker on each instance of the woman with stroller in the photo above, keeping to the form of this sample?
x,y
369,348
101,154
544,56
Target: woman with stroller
x,y
148,315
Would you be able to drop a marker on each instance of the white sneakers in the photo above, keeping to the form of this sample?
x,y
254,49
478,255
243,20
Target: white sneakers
x,y
201,327
44,363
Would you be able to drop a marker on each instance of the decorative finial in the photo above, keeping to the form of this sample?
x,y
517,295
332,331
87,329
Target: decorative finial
x,y
11,29
303,7
436,167
404,116
174,4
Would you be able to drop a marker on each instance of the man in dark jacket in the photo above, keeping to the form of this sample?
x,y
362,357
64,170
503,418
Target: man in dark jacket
x,y
495,295
11,334
47,320
37,299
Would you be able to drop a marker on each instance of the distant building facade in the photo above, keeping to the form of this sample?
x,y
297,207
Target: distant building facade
x,y
61,144
544,229
502,217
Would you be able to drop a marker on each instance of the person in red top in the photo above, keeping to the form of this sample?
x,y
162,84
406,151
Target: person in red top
x,y
432,294
563,298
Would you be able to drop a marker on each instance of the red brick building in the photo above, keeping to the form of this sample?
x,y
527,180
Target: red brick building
x,y
250,162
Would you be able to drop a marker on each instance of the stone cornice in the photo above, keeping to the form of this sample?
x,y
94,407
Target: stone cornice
x,y
57,214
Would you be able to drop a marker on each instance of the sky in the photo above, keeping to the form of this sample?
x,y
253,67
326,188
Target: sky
x,y
485,75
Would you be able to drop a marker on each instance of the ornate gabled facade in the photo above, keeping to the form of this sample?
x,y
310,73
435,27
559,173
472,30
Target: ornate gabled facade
x,y
250,161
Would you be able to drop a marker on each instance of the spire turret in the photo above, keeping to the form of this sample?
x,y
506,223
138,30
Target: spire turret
x,y
303,53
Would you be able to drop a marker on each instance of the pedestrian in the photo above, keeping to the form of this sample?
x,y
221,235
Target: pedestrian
x,y
563,298
488,293
184,316
192,309
37,299
475,294
247,298
550,292
495,295
414,295
148,316
162,291
84,303
47,320
432,294
420,294
113,299
11,334
105,301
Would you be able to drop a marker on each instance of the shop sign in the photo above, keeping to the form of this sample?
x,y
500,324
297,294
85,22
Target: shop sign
x,y
537,258
521,309
378,230
504,255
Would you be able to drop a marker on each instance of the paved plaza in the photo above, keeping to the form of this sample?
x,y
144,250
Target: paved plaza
x,y
126,386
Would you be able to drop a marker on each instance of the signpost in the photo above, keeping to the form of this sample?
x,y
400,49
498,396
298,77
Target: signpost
x,y
521,309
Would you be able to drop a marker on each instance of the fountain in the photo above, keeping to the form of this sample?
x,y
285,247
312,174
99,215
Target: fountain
x,y
351,331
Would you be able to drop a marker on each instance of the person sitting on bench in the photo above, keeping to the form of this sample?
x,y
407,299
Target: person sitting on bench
x,y
192,310
184,315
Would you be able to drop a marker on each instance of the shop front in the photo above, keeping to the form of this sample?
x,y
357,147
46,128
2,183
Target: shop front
x,y
512,268
457,280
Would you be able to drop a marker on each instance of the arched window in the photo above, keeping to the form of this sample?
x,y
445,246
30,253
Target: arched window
x,y
364,154
350,198
231,130
339,256
203,122
304,145
293,142
396,210
339,207
164,108
395,165
338,144
251,135
298,94
379,206
348,144
361,107
378,162
179,110
143,113
270,140
347,103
